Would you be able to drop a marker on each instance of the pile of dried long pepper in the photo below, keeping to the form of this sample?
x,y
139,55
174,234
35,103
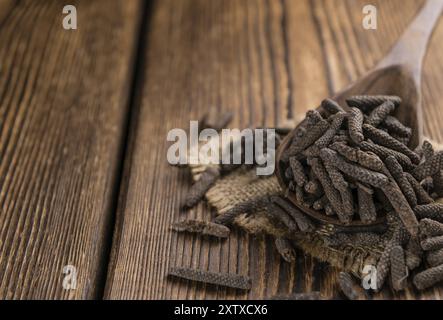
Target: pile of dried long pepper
x,y
350,164
356,164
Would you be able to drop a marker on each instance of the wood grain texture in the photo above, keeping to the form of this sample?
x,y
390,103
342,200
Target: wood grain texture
x,y
63,104
266,61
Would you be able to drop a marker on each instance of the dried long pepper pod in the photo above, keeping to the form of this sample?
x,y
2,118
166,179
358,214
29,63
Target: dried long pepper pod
x,y
201,227
428,150
431,228
429,167
428,278
214,120
313,132
399,270
359,173
339,182
355,123
350,287
331,106
402,208
368,160
384,152
432,211
303,222
315,295
281,216
366,206
420,193
384,139
437,180
250,206
199,188
331,193
298,172
379,114
432,243
435,258
394,126
399,237
413,254
222,279
397,172
367,103
285,249
326,138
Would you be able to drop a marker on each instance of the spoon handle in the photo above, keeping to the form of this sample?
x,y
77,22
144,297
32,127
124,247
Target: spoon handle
x,y
410,49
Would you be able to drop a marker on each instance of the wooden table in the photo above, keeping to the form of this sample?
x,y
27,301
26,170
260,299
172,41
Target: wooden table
x,y
84,116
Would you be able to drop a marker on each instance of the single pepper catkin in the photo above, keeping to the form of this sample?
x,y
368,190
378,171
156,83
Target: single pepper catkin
x,y
350,287
367,103
435,258
202,227
277,213
315,295
366,206
397,172
339,182
250,206
394,126
331,106
214,120
201,186
399,270
402,208
384,152
430,167
222,279
359,173
399,238
420,193
312,134
413,254
384,139
303,222
298,172
331,193
326,138
285,249
431,228
379,114
432,211
432,243
429,277
368,160
355,123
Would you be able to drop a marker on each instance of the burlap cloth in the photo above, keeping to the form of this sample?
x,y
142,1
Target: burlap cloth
x,y
243,185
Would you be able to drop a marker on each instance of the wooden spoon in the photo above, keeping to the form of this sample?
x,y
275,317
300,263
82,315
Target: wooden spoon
x,y
398,73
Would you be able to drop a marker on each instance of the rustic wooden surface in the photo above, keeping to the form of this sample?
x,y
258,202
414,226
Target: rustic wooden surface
x,y
64,102
266,61
63,105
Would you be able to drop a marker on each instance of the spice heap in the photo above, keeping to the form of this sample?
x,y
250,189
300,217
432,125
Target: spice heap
x,y
356,164
352,165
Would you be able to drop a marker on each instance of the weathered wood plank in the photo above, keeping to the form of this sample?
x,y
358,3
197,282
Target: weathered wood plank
x,y
266,61
63,106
